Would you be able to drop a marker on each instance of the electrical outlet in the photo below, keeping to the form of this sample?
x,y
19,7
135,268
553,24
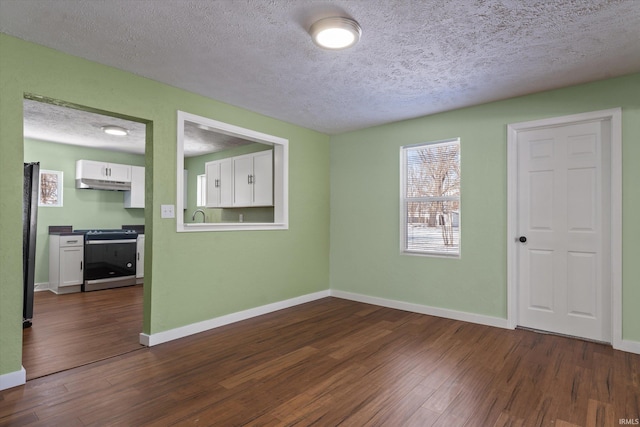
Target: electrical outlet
x,y
167,211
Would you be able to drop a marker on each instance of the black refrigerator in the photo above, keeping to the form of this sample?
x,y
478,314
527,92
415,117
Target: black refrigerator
x,y
29,231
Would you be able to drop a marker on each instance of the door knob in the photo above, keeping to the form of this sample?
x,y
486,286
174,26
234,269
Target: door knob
x,y
522,239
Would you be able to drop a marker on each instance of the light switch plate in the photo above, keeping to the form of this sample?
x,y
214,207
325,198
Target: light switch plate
x,y
167,211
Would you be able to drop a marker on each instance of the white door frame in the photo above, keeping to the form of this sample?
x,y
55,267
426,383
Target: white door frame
x,y
614,117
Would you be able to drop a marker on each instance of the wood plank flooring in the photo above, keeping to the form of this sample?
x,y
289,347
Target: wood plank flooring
x,y
337,362
75,329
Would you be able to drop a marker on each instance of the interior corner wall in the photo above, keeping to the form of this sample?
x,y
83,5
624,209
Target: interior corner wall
x,y
365,211
195,276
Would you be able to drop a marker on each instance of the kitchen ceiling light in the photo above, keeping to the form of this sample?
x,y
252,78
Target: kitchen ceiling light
x,y
115,130
335,33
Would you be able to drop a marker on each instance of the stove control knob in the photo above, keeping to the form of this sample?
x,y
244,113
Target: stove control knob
x,y
129,265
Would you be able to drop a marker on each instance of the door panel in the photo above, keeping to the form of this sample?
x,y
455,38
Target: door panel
x,y
582,287
561,212
541,275
541,206
581,199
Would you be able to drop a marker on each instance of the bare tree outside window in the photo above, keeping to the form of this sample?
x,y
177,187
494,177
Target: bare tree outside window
x,y
50,189
431,198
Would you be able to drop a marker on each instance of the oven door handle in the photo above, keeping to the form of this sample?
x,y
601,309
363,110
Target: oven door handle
x,y
106,242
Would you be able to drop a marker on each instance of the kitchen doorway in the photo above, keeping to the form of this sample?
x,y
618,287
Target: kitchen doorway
x,y
70,327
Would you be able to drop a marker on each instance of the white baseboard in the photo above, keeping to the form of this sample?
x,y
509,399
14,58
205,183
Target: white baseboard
x,y
194,328
38,287
628,346
184,331
423,309
13,379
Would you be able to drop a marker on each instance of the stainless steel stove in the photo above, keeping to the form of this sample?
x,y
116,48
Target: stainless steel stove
x,y
109,258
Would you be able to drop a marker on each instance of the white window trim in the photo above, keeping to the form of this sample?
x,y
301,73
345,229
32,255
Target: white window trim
x,y
280,177
403,201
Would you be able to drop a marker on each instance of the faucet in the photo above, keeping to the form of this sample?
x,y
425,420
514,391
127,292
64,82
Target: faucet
x,y
204,216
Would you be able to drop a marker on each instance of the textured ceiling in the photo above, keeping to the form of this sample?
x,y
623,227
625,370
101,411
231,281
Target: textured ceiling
x,y
55,123
46,121
414,58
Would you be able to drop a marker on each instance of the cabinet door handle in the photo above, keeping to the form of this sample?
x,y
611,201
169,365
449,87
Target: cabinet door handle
x,y
72,241
138,256
217,183
80,265
250,179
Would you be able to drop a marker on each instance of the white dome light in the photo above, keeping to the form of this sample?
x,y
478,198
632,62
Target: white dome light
x,y
115,130
335,33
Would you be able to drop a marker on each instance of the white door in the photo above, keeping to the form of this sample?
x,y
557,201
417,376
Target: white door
x,y
563,268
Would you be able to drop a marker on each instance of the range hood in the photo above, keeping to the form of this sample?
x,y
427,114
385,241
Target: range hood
x,y
98,184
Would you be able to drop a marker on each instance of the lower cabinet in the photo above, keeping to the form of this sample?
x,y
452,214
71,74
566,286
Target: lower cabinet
x,y
140,259
66,258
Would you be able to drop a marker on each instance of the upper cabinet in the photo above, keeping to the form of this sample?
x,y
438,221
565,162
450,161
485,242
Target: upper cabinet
x,y
134,198
219,183
253,179
103,171
102,176
241,181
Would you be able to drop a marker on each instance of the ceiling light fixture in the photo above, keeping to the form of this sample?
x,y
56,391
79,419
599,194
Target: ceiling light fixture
x,y
115,130
335,33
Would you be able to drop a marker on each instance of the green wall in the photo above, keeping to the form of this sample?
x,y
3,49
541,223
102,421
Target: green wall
x,y
192,276
196,166
365,235
81,208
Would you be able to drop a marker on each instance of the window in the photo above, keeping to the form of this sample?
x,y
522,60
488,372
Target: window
x,y
430,198
201,188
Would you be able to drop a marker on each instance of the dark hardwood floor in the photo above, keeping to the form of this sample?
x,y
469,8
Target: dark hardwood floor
x,y
336,362
75,329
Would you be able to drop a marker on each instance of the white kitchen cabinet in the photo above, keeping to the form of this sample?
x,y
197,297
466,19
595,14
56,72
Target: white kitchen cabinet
x,y
134,198
263,178
219,175
140,259
253,179
66,258
90,169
